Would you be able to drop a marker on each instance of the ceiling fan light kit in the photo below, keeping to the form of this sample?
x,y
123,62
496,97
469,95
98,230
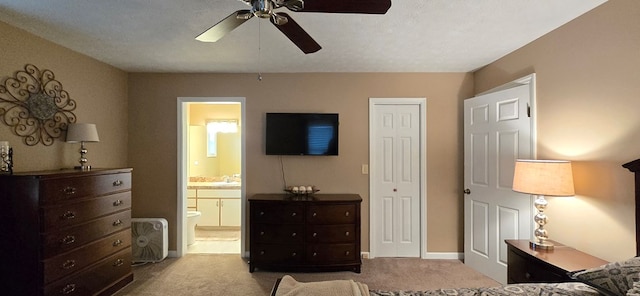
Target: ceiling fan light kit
x,y
265,9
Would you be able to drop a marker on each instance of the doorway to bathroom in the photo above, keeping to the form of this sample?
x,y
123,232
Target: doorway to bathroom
x,y
211,169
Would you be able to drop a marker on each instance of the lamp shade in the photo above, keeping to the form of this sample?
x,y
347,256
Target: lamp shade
x,y
82,132
543,177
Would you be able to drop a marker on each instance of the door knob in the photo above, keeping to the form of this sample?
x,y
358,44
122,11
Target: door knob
x,y
467,191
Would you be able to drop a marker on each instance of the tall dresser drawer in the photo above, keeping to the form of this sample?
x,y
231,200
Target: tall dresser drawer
x,y
65,264
95,278
53,190
67,214
65,240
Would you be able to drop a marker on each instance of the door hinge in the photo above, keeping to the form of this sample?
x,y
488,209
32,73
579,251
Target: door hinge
x,y
528,110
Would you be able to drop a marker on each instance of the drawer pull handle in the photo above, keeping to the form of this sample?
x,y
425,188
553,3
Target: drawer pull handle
x,y
69,190
293,234
261,252
315,214
315,234
315,254
346,233
118,262
261,232
261,213
117,243
294,254
527,275
347,253
346,214
68,215
69,264
117,203
293,214
68,289
69,239
117,222
117,183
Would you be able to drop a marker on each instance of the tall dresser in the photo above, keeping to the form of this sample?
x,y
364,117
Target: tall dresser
x,y
305,233
65,232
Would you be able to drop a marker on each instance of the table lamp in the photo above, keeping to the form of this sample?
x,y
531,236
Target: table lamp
x,y
82,132
543,177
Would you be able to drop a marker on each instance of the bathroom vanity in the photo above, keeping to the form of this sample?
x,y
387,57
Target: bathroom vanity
x,y
219,204
319,232
65,232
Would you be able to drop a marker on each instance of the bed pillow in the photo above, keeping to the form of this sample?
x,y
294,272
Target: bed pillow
x,y
614,278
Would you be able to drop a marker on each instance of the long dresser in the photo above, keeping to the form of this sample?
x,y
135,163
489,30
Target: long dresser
x,y
305,233
65,232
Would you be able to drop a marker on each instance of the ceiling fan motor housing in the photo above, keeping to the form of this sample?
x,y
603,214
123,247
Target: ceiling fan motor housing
x,y
262,8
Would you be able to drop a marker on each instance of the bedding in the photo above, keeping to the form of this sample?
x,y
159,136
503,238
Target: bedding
x,y
288,286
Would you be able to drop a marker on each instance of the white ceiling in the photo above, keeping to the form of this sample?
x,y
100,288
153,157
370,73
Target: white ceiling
x,y
414,35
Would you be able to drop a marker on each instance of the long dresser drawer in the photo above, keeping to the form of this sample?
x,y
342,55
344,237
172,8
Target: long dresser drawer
x,y
70,238
331,214
67,214
95,278
332,253
55,190
277,213
280,234
344,233
67,263
281,254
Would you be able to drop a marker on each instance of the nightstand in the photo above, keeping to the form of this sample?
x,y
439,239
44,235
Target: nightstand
x,y
526,265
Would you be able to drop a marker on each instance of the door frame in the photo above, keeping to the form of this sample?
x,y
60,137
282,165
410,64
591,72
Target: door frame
x,y
182,126
422,105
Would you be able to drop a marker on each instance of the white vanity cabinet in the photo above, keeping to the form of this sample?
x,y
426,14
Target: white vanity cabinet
x,y
219,207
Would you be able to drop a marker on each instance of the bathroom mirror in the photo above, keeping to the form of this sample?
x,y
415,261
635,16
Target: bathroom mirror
x,y
218,126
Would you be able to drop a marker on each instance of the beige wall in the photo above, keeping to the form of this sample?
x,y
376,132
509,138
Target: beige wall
x,y
100,92
588,97
152,150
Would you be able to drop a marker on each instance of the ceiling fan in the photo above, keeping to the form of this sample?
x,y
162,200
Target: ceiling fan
x,y
284,22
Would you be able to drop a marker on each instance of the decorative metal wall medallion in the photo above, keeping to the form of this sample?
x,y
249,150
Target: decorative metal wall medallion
x,y
34,105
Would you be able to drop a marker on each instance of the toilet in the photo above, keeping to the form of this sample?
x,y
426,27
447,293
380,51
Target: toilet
x,y
192,219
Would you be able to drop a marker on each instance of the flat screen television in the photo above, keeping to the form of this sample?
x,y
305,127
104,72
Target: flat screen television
x,y
302,134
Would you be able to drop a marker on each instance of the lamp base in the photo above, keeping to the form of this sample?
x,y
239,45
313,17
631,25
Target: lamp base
x,y
82,167
544,246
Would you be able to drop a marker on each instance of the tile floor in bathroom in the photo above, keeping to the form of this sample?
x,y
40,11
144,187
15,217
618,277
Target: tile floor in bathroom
x,y
216,242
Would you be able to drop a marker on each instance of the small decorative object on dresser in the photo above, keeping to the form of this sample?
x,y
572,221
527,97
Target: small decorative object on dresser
x,y
315,233
65,232
6,158
526,265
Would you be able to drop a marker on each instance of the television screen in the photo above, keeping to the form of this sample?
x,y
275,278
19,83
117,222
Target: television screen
x,y
302,134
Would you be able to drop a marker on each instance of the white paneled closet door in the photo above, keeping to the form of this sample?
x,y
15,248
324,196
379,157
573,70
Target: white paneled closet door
x,y
396,183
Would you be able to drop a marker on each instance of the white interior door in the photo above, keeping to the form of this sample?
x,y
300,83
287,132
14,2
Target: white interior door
x,y
396,180
498,129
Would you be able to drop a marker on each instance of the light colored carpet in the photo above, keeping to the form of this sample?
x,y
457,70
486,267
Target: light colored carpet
x,y
205,274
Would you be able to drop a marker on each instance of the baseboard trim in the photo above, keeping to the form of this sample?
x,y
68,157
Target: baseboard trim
x,y
449,256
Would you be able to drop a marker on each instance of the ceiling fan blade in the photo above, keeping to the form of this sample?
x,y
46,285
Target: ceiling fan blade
x,y
296,34
347,6
225,26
